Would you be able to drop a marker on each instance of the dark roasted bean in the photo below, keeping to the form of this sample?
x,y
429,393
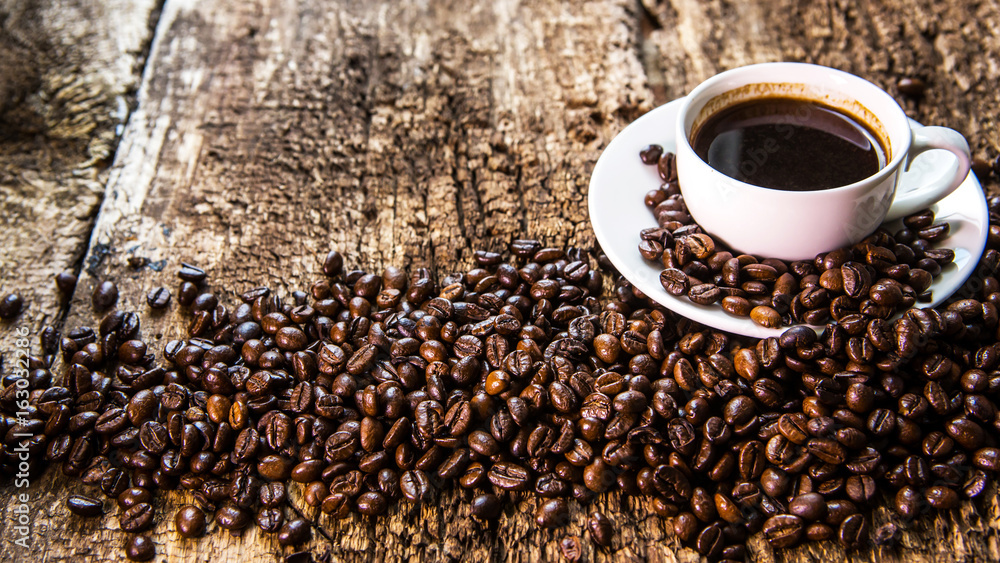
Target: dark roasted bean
x,y
140,548
105,295
189,521
84,506
295,532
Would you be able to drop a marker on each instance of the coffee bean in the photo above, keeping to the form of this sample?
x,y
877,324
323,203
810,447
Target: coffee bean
x,y
674,281
270,520
911,87
570,548
853,531
11,306
552,513
710,541
188,272
140,408
705,294
601,529
809,506
415,486
486,506
735,305
651,154
333,264
509,476
158,298
783,530
666,167
965,432
84,506
371,503
860,488
140,548
133,496
230,516
137,518
765,316
685,526
66,282
105,295
908,501
189,521
295,532
941,497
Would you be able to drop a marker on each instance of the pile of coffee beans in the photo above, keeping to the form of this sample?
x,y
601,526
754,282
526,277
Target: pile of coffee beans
x,y
877,278
519,375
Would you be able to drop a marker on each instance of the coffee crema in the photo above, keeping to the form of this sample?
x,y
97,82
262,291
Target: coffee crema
x,y
789,144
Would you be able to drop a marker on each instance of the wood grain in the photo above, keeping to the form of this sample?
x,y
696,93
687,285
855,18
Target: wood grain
x,y
69,69
412,133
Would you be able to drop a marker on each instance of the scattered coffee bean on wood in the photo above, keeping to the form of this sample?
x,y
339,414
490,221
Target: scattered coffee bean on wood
x,y
66,283
140,548
158,298
105,295
372,390
11,306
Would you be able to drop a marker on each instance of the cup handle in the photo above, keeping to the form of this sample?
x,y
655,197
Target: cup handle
x,y
925,139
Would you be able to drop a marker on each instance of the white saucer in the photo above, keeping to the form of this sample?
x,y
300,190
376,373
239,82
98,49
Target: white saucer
x,y
617,213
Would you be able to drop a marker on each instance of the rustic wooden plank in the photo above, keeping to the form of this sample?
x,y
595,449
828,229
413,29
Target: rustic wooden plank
x,y
410,134
68,71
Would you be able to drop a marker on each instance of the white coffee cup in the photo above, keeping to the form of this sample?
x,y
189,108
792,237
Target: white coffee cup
x,y
798,225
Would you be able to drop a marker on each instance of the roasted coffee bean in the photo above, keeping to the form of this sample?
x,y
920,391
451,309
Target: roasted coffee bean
x,y
189,521
509,476
333,264
685,526
415,486
140,548
965,432
136,518
674,281
84,506
570,548
158,298
229,516
270,520
601,529
705,294
105,295
552,513
11,306
66,282
765,316
808,506
133,496
371,503
710,541
783,530
853,531
908,501
486,506
295,532
651,154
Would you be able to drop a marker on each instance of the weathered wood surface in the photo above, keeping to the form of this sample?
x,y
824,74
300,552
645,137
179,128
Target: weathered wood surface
x,y
408,134
68,72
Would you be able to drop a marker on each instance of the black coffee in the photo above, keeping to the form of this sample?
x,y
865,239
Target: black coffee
x,y
788,144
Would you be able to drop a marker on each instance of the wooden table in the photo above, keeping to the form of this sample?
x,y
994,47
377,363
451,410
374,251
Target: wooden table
x,y
251,137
